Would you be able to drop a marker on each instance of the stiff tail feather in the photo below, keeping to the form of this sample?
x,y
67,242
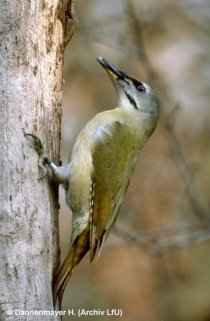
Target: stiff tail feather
x,y
79,248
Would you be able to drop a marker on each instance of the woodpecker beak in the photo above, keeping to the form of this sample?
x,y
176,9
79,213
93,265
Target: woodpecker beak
x,y
112,70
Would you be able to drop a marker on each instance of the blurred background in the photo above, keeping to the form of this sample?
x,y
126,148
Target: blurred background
x,y
155,265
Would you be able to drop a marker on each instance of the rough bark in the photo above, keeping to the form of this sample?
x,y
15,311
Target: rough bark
x,y
32,37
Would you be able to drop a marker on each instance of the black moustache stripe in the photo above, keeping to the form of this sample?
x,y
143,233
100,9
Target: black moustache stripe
x,y
132,101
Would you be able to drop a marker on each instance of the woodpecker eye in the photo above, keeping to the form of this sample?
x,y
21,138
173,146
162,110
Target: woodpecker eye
x,y
140,87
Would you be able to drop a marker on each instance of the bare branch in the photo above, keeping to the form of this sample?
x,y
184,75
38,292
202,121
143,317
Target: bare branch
x,y
182,240
156,244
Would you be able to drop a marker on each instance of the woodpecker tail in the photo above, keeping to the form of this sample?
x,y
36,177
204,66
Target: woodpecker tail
x,y
79,248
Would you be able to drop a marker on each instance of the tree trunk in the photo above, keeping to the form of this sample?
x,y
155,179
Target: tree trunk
x,y
32,37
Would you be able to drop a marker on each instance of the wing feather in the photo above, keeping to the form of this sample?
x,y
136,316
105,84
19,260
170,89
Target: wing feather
x,y
114,156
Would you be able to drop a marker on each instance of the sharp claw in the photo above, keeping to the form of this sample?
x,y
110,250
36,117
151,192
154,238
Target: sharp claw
x,y
43,160
37,143
43,176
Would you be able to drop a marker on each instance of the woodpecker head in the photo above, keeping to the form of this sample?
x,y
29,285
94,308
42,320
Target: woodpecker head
x,y
133,94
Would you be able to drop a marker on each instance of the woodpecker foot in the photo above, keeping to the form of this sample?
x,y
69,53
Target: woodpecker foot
x,y
37,144
43,159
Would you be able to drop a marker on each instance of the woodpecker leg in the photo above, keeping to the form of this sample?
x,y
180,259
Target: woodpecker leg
x,y
59,173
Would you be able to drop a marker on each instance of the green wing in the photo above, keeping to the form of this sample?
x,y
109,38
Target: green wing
x,y
114,155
